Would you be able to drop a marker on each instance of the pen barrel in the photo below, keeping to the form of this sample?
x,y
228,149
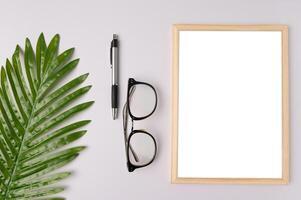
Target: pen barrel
x,y
115,63
114,96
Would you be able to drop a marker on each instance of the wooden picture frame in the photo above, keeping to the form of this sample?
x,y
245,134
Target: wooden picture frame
x,y
175,105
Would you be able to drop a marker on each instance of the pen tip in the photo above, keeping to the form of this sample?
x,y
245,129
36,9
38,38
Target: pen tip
x,y
114,113
115,36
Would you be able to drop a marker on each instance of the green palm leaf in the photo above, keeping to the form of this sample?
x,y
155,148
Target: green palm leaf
x,y
33,109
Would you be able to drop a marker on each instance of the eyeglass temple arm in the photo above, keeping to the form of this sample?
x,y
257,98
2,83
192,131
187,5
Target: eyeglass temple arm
x,y
125,130
131,148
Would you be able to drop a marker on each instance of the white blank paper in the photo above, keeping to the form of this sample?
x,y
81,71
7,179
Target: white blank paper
x,y
230,112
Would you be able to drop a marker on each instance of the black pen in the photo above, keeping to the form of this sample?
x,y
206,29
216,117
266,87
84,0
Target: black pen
x,y
114,65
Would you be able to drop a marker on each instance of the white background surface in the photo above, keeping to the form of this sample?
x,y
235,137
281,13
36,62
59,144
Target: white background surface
x,y
145,32
230,115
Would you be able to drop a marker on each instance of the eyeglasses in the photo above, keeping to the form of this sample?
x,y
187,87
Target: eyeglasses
x,y
141,103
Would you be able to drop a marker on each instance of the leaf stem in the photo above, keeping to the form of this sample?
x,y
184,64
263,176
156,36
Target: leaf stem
x,y
35,101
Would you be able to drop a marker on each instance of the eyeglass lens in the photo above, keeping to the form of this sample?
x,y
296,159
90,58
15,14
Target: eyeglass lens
x,y
142,101
144,146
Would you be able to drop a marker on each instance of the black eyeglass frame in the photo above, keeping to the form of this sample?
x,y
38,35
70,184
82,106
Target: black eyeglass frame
x,y
132,82
131,167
